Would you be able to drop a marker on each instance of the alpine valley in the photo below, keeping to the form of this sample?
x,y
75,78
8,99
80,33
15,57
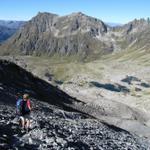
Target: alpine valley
x,y
88,80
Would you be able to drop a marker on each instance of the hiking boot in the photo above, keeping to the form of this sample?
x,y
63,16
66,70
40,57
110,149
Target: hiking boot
x,y
22,130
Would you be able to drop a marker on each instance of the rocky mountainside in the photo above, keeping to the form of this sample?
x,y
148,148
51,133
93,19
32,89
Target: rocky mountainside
x,y
134,35
55,124
76,34
8,28
53,128
49,34
13,78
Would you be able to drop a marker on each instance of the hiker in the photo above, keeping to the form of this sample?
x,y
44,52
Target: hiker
x,y
25,110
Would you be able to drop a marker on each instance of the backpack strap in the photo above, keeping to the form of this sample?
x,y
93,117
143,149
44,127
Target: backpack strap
x,y
29,104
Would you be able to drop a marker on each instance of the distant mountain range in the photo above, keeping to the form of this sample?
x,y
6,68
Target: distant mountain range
x,y
8,28
11,24
76,34
112,24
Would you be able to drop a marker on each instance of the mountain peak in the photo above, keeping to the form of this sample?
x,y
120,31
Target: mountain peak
x,y
46,13
137,22
44,16
78,14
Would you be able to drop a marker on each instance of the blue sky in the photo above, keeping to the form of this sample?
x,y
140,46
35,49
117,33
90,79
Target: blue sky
x,y
119,11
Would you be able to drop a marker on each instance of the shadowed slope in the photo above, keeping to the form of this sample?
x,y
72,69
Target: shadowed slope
x,y
14,79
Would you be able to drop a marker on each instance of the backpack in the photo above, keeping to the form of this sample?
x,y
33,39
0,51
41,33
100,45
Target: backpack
x,y
25,107
19,106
